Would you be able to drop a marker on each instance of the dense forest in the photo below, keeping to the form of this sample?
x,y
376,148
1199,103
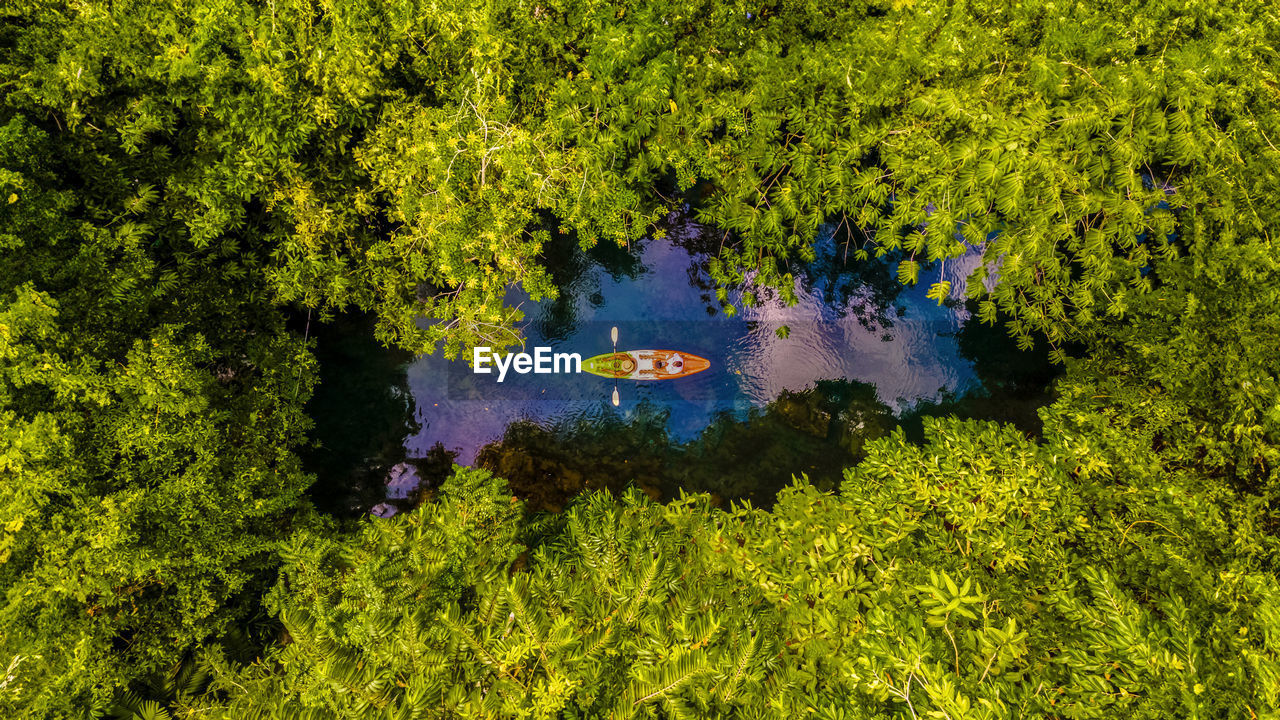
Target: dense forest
x,y
185,187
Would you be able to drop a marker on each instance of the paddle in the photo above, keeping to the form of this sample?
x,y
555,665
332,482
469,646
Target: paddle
x,y
614,335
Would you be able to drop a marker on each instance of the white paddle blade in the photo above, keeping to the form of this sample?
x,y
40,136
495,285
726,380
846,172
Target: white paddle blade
x,y
613,335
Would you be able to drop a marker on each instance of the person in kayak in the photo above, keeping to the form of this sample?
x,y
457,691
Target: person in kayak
x,y
675,364
672,365
623,364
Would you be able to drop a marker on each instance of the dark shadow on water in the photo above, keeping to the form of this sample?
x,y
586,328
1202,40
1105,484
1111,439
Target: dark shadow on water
x,y
362,410
1015,383
817,432
430,472
571,268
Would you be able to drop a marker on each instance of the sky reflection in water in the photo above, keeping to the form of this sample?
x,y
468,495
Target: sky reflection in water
x,y
909,352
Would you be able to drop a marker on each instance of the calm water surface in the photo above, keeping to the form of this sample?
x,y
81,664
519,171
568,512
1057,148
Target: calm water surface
x,y
852,322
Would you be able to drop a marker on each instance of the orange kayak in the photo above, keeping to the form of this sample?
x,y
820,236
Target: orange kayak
x,y
645,365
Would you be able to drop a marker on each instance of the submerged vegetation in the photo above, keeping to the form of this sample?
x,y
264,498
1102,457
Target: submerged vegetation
x,y
180,182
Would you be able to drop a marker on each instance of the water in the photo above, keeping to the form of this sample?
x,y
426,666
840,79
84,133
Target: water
x,y
853,322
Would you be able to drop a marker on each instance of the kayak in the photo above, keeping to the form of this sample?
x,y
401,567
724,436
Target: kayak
x,y
645,365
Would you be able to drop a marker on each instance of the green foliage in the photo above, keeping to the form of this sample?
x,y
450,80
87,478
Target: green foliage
x,y
428,616
982,575
1193,372
414,158
173,174
178,687
150,403
142,500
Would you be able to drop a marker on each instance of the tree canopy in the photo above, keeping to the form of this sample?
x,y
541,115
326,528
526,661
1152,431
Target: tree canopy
x,y
411,158
185,185
981,575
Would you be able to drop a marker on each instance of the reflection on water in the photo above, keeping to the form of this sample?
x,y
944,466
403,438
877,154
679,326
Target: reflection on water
x,y
1012,384
362,409
853,323
817,432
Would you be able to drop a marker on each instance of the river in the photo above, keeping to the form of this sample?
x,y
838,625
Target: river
x,y
857,353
